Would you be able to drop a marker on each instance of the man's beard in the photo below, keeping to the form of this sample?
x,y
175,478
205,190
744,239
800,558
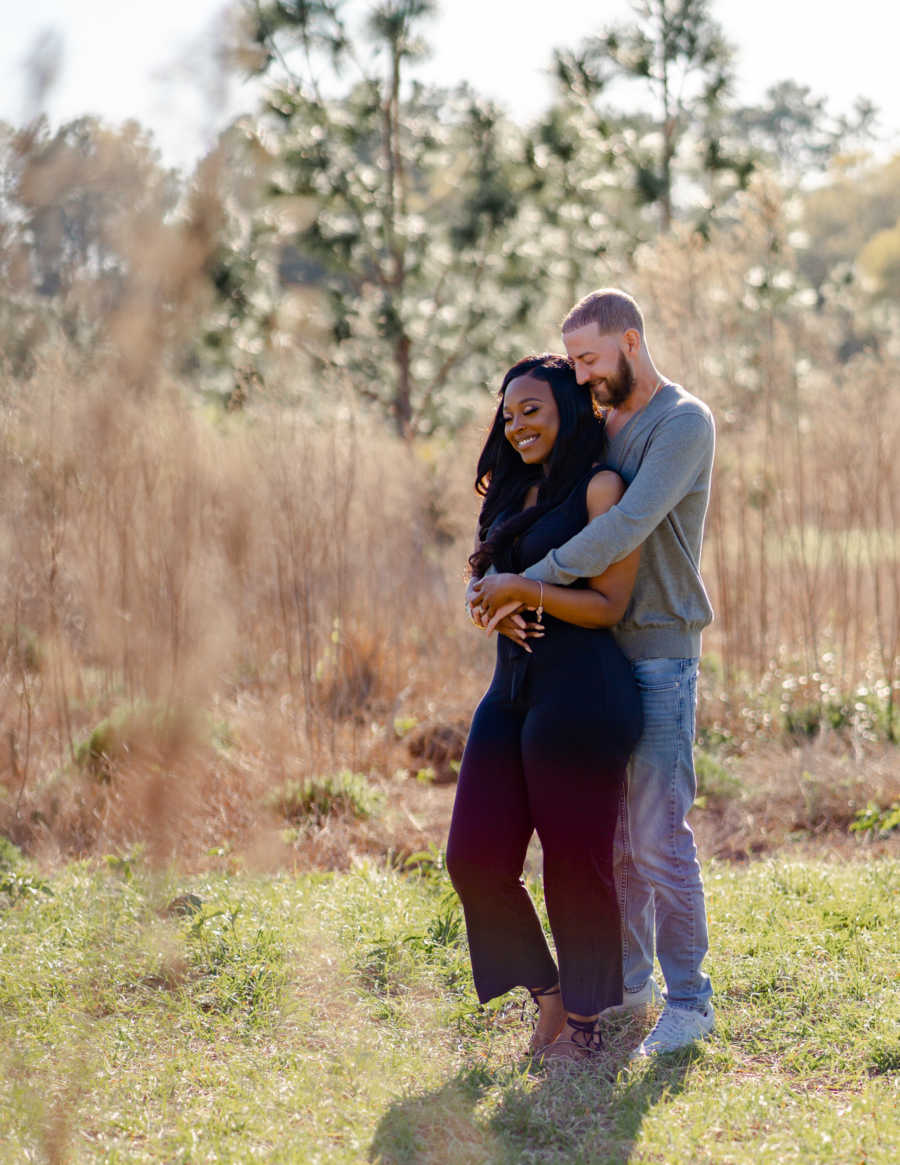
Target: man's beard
x,y
615,389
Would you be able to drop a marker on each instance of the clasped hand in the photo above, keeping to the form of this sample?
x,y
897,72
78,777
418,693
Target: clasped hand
x,y
495,603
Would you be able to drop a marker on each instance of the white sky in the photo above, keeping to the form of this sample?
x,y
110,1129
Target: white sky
x,y
155,59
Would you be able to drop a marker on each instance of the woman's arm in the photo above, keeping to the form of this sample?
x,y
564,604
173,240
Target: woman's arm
x,y
601,604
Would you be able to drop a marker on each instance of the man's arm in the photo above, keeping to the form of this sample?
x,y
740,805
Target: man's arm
x,y
679,448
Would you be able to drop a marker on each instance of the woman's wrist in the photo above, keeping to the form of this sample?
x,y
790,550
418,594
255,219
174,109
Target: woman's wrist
x,y
531,593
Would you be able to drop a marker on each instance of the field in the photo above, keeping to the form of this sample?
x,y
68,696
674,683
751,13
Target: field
x,y
330,1018
236,680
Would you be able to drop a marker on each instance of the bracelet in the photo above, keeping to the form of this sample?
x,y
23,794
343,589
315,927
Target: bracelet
x,y
539,614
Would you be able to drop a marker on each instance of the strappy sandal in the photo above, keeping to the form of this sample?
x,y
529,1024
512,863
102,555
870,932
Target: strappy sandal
x,y
585,1043
537,1043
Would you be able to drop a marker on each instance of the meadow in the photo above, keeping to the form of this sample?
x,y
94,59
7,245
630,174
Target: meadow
x,y
204,607
149,1015
235,683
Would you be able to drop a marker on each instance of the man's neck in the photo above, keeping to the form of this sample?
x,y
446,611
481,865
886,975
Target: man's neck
x,y
645,389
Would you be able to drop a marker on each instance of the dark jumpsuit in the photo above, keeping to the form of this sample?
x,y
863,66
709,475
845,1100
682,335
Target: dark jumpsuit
x,y
547,750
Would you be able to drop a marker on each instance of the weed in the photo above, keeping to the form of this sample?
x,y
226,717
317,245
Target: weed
x,y
316,799
234,969
873,821
715,783
17,881
10,855
886,1061
404,725
17,885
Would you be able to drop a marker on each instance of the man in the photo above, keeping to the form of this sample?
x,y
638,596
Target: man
x,y
661,441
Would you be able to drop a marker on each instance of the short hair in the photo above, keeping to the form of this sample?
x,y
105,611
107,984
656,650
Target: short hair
x,y
610,309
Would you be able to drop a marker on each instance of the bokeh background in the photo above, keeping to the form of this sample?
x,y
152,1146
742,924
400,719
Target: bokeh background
x,y
255,301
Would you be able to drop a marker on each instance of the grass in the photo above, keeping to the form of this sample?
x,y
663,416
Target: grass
x,y
330,1018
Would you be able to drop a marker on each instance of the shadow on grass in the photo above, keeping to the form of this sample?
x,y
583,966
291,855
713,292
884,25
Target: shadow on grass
x,y
589,1115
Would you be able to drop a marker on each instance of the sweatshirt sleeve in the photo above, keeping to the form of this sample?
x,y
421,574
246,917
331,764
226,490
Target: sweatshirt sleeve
x,y
679,449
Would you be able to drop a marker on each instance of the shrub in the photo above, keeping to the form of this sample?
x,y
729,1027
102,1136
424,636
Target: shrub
x,y
714,781
318,798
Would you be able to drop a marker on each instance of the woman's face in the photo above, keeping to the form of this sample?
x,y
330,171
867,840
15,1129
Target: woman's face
x,y
530,419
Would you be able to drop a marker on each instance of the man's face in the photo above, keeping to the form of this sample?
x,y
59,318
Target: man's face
x,y
600,362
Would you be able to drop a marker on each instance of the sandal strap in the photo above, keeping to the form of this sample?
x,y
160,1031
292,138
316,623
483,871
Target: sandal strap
x,y
587,1028
539,992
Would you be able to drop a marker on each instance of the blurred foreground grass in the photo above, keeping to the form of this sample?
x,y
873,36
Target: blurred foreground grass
x,y
330,1018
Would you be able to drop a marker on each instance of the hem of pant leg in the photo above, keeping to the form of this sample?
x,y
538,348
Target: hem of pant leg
x,y
494,993
685,1005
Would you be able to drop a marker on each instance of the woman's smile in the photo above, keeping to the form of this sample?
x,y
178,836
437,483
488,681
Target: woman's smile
x,y
531,419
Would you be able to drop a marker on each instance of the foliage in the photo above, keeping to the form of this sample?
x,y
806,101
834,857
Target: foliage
x,y
840,218
316,799
679,58
580,202
880,261
873,821
129,729
79,209
410,191
795,131
715,782
17,881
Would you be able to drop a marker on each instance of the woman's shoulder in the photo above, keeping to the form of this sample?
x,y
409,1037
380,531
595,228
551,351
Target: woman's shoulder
x,y
604,488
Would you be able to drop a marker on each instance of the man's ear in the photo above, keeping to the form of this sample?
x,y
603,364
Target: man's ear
x,y
631,338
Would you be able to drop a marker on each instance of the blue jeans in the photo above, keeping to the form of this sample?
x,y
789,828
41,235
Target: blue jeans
x,y
657,871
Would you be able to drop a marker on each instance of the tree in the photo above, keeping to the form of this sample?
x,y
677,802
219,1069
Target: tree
x,y
77,190
579,194
795,131
880,260
842,214
414,193
76,205
678,56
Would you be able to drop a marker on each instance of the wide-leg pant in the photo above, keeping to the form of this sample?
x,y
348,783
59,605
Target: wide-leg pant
x,y
547,750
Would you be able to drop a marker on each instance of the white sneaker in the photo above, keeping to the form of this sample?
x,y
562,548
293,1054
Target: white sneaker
x,y
645,996
677,1027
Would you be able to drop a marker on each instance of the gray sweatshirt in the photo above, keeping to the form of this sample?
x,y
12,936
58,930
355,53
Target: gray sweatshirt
x,y
664,454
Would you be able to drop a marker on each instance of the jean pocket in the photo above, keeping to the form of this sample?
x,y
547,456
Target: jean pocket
x,y
658,675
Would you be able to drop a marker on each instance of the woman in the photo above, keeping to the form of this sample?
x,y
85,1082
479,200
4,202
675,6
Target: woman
x,y
549,741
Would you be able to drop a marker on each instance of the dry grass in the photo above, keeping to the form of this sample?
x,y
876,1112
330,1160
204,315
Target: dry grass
x,y
201,605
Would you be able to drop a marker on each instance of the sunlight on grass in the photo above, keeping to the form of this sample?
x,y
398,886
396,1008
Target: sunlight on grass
x,y
330,1018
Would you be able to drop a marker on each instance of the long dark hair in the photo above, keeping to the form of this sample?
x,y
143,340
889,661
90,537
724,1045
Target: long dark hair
x,y
503,479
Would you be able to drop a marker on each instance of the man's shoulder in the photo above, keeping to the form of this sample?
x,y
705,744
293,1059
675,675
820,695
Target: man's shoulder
x,y
677,401
683,415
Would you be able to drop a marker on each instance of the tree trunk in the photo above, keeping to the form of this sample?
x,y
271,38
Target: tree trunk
x,y
402,404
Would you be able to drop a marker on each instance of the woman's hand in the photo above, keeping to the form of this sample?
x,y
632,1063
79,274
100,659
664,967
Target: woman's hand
x,y
495,591
494,603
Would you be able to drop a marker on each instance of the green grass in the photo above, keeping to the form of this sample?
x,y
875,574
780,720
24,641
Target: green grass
x,y
330,1018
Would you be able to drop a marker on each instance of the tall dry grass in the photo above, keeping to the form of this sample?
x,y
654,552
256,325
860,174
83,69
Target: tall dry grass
x,y
200,605
803,536
288,587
